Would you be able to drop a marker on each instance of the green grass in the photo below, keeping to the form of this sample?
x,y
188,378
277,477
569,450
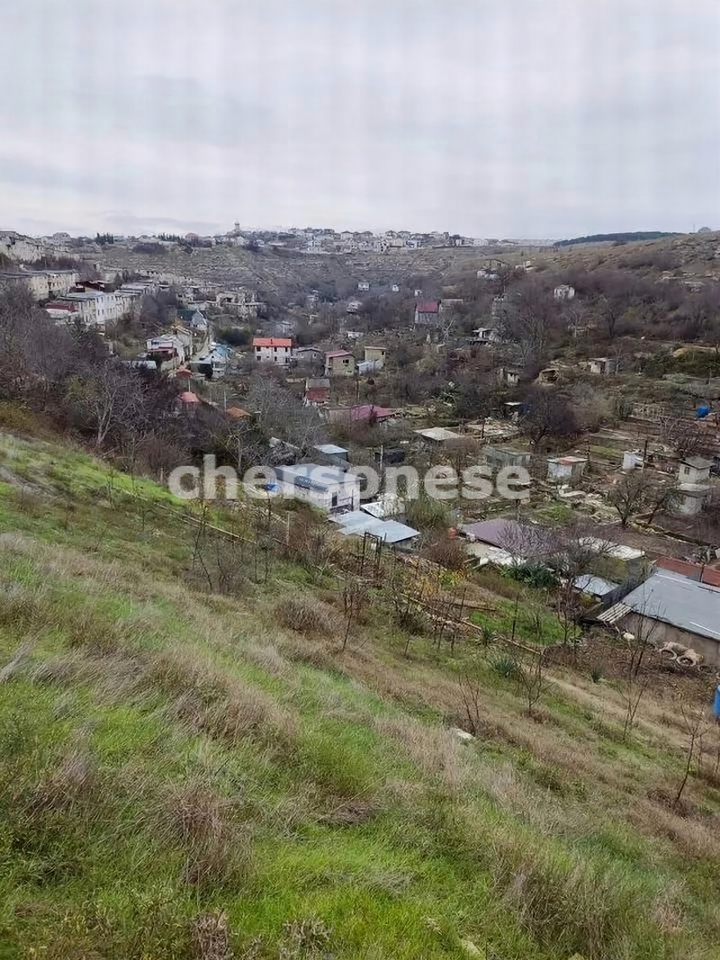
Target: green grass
x,y
170,754
529,622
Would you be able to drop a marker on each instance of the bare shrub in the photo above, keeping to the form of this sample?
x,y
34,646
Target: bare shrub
x,y
218,851
306,615
307,939
249,713
446,552
565,902
309,544
73,782
211,936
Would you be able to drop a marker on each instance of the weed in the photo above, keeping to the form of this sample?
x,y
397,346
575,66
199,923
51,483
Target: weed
x,y
306,616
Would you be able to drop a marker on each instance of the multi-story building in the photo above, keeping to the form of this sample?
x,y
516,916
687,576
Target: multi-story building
x,y
276,350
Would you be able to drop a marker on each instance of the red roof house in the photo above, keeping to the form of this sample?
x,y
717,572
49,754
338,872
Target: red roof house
x,y
427,313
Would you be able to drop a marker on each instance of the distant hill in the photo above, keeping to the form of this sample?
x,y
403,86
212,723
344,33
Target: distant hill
x,y
617,237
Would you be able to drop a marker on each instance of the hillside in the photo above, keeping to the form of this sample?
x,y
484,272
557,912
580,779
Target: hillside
x,y
286,273
204,759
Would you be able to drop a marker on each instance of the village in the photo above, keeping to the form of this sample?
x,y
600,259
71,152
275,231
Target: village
x,y
493,370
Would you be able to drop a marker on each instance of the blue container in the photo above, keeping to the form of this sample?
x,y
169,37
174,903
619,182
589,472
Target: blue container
x,y
717,702
703,411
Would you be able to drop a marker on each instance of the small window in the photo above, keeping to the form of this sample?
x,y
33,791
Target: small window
x,y
334,501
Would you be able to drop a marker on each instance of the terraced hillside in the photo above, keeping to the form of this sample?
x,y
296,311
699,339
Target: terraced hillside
x,y
200,761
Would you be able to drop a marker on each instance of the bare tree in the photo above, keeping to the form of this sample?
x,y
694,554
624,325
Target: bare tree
x,y
682,435
105,398
634,493
696,724
279,413
636,683
547,414
529,318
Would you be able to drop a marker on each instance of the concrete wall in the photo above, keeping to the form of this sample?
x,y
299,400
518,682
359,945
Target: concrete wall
x,y
659,633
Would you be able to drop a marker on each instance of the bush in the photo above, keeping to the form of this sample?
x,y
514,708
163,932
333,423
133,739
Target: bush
x,y
306,615
506,667
447,552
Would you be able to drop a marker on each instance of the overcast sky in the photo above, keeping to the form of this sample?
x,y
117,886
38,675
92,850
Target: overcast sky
x,y
491,118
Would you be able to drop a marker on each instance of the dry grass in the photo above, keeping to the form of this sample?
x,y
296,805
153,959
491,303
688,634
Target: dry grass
x,y
75,781
307,615
218,850
211,936
435,751
221,707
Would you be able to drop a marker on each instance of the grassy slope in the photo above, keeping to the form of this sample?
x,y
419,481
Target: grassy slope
x,y
168,753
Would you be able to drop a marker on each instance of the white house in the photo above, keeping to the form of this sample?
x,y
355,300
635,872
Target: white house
x,y
603,366
327,488
564,469
564,292
96,308
276,350
363,285
694,470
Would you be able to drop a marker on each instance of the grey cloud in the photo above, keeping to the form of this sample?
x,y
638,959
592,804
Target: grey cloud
x,y
487,117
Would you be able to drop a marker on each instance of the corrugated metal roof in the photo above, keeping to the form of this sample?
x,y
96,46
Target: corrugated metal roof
x,y
390,531
614,613
683,603
594,585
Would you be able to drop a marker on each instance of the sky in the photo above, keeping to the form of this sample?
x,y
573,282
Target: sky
x,y
488,118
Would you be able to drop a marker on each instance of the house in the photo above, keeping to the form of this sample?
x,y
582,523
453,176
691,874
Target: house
x,y
486,335
167,349
375,356
689,498
339,363
363,285
564,292
353,306
616,561
327,488
427,313
65,313
694,470
395,288
308,356
598,589
276,350
317,392
566,469
632,460
504,542
671,608
332,450
604,366
330,454
211,365
510,375
499,457
548,375
370,413
360,523
693,487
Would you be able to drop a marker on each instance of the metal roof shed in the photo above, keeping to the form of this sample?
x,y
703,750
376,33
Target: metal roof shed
x,y
680,602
